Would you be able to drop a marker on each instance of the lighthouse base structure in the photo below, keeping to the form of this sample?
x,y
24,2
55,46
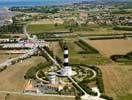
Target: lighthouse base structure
x,y
66,71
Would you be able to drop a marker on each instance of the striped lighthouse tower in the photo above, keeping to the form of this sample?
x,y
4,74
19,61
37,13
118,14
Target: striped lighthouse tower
x,y
66,70
65,56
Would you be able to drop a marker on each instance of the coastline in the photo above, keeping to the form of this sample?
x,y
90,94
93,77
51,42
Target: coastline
x,y
37,3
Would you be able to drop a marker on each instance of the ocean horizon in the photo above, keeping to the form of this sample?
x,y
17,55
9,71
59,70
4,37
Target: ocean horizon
x,y
8,3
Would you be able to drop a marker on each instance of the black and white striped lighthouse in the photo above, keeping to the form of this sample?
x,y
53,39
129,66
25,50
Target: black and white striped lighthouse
x,y
66,70
65,63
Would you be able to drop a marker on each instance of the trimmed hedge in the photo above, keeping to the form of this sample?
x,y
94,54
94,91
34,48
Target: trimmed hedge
x,y
61,43
49,51
106,97
58,59
48,40
84,85
87,48
105,38
44,55
1,48
125,28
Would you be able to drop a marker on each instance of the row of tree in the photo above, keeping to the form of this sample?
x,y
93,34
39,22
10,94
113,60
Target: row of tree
x,y
124,28
87,49
41,9
126,57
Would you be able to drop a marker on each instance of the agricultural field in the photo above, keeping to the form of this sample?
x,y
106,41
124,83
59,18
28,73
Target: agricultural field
x,y
116,77
13,76
4,57
117,80
112,47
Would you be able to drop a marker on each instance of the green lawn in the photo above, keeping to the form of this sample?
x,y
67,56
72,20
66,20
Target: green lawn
x,y
74,57
126,97
40,28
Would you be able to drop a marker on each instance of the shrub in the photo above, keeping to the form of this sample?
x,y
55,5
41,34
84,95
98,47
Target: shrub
x,y
13,62
31,73
44,55
99,80
40,74
122,58
125,28
61,43
77,97
106,97
3,68
58,60
49,51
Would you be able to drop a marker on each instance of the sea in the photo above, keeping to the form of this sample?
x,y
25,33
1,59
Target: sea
x,y
4,4
9,3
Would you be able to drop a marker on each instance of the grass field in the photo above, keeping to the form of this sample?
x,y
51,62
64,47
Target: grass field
x,y
74,57
12,79
89,29
125,97
40,28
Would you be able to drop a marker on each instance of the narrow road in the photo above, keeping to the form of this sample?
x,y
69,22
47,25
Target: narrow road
x,y
54,61
25,31
21,93
8,62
